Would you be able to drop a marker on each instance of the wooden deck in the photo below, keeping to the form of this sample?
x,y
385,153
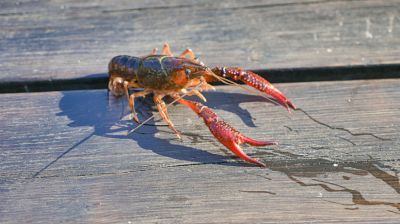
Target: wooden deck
x,y
65,156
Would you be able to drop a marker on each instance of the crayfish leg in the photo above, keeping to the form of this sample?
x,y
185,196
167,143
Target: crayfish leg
x,y
194,92
166,50
131,101
162,109
153,52
188,52
201,96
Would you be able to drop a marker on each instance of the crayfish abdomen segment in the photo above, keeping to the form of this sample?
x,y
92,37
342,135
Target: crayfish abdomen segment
x,y
124,66
122,70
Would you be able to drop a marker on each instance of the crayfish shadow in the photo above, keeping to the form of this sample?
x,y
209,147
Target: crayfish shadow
x,y
105,114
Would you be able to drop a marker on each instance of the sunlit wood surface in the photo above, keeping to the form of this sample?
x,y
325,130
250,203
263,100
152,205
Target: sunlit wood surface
x,y
65,156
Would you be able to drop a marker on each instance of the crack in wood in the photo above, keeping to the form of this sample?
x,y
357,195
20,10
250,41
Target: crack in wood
x,y
289,128
398,213
259,192
342,129
357,197
278,75
347,140
144,169
167,7
288,4
141,9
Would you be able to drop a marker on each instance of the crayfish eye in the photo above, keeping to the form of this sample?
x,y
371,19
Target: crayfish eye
x,y
188,72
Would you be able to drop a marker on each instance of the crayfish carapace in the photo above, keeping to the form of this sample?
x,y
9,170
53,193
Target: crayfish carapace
x,y
166,75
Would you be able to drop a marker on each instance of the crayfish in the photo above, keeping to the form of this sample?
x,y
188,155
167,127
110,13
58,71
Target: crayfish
x,y
166,75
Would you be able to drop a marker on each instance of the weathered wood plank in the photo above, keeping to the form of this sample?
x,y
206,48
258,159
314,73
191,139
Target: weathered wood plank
x,y
65,157
52,40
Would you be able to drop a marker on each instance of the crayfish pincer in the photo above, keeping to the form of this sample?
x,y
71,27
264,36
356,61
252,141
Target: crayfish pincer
x,y
166,75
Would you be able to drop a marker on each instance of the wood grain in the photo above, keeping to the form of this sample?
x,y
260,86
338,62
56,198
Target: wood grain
x,y
55,40
65,158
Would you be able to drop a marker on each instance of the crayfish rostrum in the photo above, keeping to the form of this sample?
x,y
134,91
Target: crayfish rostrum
x,y
166,75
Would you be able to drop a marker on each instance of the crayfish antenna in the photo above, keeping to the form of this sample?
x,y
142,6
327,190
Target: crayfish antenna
x,y
226,134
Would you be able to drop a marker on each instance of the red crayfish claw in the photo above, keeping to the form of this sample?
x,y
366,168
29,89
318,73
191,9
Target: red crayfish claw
x,y
226,134
255,81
